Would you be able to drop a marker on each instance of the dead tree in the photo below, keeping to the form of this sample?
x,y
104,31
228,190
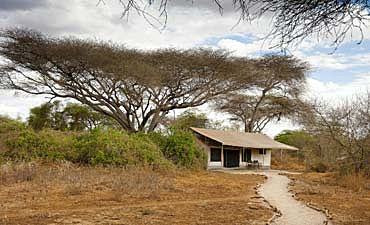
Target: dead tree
x,y
293,20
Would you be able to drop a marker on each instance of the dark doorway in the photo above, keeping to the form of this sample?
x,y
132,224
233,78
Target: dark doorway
x,y
231,158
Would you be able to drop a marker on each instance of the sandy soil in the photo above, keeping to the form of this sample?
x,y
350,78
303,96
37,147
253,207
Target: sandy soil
x,y
275,191
348,201
192,198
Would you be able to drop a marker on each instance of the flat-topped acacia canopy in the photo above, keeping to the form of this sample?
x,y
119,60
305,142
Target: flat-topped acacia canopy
x,y
135,88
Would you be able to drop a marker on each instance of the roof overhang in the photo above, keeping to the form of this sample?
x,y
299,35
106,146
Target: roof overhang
x,y
242,139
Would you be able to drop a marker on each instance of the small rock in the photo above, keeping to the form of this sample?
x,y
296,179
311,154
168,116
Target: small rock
x,y
253,207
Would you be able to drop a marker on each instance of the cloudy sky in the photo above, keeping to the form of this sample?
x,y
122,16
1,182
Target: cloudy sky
x,y
334,76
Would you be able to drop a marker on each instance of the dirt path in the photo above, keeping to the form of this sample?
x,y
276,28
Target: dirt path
x,y
275,191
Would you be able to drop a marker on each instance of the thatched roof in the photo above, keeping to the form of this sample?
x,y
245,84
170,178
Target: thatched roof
x,y
242,139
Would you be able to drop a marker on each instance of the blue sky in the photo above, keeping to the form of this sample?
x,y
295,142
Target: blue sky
x,y
335,75
329,64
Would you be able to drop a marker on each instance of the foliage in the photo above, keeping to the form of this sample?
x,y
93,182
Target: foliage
x,y
190,118
298,138
335,137
9,125
47,115
280,80
135,88
40,117
73,116
181,148
100,146
25,144
112,147
81,117
95,147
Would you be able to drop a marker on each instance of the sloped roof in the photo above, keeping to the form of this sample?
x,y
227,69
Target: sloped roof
x,y
242,139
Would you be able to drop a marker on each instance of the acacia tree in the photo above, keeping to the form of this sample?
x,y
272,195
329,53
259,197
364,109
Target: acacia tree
x,y
190,118
47,115
293,20
72,116
341,131
81,117
135,88
279,83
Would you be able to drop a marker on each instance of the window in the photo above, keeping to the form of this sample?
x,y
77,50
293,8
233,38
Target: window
x,y
246,155
262,151
215,155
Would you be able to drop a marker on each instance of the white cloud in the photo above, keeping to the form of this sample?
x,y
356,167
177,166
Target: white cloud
x,y
334,62
188,25
242,49
334,93
15,104
330,92
326,61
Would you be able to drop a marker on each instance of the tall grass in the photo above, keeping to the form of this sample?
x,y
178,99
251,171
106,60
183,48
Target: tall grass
x,y
76,180
358,182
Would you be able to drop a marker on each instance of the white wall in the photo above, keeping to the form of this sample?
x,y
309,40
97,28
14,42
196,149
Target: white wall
x,y
265,160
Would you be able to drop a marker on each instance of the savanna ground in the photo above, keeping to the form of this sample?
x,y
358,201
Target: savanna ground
x,y
33,193
347,198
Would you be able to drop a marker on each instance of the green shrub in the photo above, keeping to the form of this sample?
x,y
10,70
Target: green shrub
x,y
180,147
7,126
100,147
26,144
113,147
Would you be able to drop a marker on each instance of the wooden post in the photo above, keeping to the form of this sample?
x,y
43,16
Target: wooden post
x,y
297,156
222,155
242,155
281,155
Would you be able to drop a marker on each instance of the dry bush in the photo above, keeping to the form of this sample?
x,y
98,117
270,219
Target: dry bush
x,y
74,183
286,162
137,180
357,182
15,173
76,180
354,182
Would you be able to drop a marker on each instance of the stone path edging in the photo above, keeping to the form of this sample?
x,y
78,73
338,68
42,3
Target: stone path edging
x,y
276,193
311,205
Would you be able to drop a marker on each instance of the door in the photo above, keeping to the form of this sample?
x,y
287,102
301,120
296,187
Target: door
x,y
248,154
231,158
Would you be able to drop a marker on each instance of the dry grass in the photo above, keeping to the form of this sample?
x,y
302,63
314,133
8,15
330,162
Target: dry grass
x,y
33,193
356,182
286,162
16,173
347,198
75,180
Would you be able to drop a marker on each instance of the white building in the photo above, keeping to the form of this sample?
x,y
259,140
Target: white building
x,y
237,149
